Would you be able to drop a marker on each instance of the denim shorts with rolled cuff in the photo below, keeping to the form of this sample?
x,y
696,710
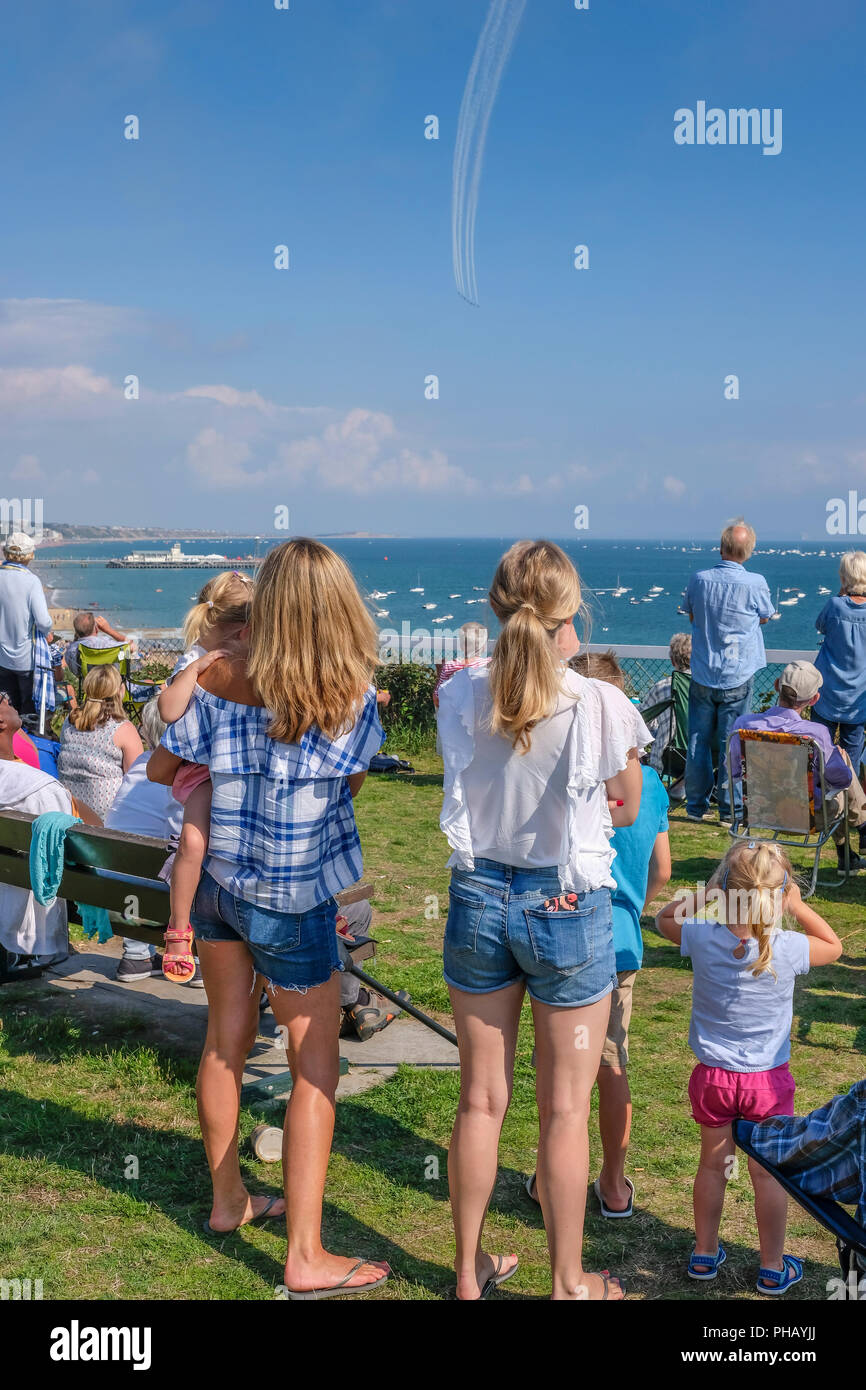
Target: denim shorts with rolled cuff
x,y
499,933
292,950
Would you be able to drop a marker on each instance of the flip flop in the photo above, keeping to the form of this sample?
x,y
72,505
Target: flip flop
x,y
264,1215
492,1284
334,1291
608,1212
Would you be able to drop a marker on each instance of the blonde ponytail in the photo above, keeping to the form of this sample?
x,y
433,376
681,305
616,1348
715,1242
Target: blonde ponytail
x,y
224,601
534,591
755,875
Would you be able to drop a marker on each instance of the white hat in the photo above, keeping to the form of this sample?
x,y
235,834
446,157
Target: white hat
x,y
20,542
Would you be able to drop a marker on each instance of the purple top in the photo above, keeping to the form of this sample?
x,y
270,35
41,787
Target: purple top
x,y
782,720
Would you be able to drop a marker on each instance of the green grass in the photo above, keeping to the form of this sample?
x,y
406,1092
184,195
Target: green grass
x,y
74,1104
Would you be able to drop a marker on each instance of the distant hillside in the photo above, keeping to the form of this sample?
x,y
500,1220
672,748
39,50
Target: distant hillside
x,y
72,531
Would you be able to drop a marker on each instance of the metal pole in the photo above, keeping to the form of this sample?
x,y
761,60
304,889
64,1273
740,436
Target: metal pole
x,y
402,1004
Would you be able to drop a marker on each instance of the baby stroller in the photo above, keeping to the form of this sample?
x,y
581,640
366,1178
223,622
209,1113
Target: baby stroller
x,y
820,1160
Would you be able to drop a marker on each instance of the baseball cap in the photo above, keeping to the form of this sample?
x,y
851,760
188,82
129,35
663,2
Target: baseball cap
x,y
800,680
20,541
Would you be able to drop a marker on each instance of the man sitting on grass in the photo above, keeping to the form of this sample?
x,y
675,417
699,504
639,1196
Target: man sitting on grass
x,y
798,688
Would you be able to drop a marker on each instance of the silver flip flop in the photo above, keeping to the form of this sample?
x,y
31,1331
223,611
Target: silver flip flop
x,y
608,1212
335,1291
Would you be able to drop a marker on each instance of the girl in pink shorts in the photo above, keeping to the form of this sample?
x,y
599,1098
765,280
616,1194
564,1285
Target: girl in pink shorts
x,y
744,965
216,622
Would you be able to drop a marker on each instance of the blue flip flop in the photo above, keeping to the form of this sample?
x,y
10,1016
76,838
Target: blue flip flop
x,y
790,1273
714,1262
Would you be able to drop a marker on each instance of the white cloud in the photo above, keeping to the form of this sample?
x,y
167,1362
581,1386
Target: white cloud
x,y
26,468
230,396
674,487
52,329
54,387
217,460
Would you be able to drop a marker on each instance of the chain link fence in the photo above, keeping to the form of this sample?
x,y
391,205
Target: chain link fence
x,y
643,667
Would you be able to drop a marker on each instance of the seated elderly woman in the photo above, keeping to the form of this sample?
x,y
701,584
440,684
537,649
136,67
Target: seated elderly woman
x,y
98,744
841,659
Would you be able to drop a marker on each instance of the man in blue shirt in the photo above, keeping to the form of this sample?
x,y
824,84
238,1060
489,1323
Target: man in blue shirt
x,y
22,608
727,606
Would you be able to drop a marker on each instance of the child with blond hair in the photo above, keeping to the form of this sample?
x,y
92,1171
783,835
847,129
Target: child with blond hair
x,y
744,964
211,627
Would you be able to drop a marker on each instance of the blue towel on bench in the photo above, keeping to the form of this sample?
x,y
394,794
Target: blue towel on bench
x,y
47,841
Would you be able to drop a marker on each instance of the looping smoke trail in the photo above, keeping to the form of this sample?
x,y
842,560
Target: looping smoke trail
x,y
495,44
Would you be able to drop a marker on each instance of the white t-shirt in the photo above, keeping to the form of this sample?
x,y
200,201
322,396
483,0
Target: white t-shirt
x,y
145,808
545,807
189,656
26,927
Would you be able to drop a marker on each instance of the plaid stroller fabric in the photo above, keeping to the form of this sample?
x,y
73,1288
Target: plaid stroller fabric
x,y
824,1152
43,673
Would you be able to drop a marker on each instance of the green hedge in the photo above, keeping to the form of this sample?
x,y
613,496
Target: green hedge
x,y
409,720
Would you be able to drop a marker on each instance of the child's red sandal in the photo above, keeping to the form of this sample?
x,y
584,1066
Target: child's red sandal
x,y
178,966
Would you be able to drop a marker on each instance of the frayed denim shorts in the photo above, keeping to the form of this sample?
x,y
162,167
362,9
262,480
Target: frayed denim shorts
x,y
292,950
499,932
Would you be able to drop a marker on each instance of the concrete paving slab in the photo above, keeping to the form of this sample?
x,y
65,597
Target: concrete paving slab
x,y
178,1016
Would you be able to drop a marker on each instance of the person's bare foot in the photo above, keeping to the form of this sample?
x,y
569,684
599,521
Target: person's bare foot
x,y
591,1288
469,1285
617,1195
227,1218
328,1270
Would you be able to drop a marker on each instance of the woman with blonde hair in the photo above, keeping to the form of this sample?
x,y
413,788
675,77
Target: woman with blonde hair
x,y
743,969
841,659
540,765
287,734
98,744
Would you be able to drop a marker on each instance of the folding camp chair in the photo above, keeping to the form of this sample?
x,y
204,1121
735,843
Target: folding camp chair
x,y
118,656
849,1234
782,780
674,751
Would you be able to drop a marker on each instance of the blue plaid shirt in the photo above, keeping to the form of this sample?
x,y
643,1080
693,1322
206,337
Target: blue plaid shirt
x,y
282,831
825,1151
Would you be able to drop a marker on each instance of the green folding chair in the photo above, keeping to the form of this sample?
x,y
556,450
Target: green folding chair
x,y
119,656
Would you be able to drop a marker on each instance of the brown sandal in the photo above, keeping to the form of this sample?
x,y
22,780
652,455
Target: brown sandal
x,y
178,966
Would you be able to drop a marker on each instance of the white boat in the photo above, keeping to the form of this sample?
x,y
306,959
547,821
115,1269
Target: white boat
x,y
786,602
479,588
444,618
656,589
620,590
823,590
377,593
382,613
428,605
457,595
416,591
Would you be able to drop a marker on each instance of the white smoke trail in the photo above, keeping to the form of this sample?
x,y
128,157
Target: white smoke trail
x,y
482,84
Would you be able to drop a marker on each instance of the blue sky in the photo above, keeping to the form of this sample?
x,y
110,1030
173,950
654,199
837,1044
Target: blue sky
x,y
305,388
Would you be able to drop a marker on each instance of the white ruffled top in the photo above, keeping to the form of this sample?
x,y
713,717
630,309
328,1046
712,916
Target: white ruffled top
x,y
544,808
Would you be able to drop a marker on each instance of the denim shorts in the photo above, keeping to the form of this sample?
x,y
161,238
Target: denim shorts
x,y
499,932
292,950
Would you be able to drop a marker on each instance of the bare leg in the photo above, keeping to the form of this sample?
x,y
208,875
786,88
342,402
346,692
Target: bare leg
x,y
487,1036
614,1122
233,1013
312,1023
186,870
771,1211
568,1045
716,1163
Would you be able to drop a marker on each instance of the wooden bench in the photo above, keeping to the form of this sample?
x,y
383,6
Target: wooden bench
x,y
138,909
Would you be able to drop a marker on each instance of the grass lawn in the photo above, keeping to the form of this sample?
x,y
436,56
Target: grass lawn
x,y
77,1105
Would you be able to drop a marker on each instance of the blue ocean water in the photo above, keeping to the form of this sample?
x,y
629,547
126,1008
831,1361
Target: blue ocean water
x,y
455,574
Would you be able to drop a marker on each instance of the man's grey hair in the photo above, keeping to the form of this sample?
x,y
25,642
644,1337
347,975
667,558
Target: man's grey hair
x,y
738,540
681,651
852,572
153,726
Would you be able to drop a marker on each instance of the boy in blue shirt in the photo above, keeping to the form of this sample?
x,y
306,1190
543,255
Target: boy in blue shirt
x,y
641,868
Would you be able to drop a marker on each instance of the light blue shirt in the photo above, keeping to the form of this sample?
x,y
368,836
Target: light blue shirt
x,y
741,1021
727,604
22,604
841,660
634,845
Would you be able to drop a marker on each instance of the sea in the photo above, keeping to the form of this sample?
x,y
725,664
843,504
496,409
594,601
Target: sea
x,y
421,580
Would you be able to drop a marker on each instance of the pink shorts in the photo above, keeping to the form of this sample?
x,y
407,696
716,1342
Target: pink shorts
x,y
186,779
719,1097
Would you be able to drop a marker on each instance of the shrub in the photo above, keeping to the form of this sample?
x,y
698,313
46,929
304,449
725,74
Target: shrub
x,y
409,720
